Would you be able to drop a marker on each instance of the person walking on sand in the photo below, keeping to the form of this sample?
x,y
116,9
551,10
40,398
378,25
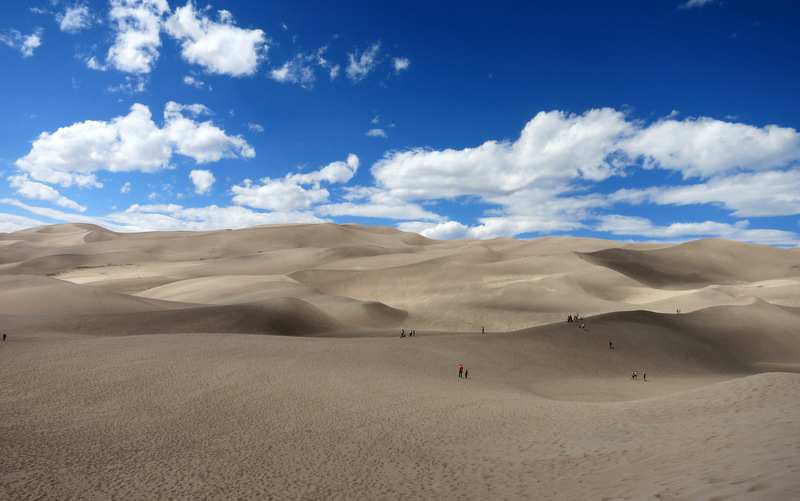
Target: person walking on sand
x,y
644,376
466,373
483,331
460,370
4,337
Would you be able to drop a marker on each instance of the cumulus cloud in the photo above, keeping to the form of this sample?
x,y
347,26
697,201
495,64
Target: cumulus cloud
x,y
294,191
138,25
539,182
706,147
71,155
202,180
362,63
218,46
74,19
552,150
26,44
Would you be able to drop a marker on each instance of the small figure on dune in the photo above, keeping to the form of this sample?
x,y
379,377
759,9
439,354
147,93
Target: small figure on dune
x,y
483,331
569,318
460,370
582,326
610,346
402,333
644,377
4,337
466,373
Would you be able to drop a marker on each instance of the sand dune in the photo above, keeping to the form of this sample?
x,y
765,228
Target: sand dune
x,y
266,363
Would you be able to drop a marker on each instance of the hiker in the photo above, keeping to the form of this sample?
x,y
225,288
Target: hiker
x,y
466,373
4,337
483,331
610,346
569,318
644,376
460,370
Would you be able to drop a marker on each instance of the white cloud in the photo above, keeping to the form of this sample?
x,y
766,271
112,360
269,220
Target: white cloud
x,y
295,191
689,4
706,147
759,194
540,182
93,64
132,142
137,24
552,150
190,80
175,217
400,64
377,133
74,18
362,63
39,191
255,127
298,70
10,223
26,44
642,227
132,85
126,188
301,69
203,180
218,46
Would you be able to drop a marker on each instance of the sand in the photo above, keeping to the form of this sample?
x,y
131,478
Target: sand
x,y
267,363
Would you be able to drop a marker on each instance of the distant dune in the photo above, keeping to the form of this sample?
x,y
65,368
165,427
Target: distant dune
x,y
267,363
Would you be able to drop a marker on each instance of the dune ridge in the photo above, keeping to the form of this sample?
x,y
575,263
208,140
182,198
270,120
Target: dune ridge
x,y
267,363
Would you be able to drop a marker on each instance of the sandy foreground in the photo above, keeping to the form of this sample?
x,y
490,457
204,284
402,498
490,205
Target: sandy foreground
x,y
267,363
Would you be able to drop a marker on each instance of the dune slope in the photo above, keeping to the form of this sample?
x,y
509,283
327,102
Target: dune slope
x,y
267,363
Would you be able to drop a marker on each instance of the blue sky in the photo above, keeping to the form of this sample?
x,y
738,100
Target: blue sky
x,y
646,121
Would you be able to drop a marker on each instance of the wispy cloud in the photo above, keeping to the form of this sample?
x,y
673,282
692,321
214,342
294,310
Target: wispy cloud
x,y
74,18
690,4
26,44
362,62
377,133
